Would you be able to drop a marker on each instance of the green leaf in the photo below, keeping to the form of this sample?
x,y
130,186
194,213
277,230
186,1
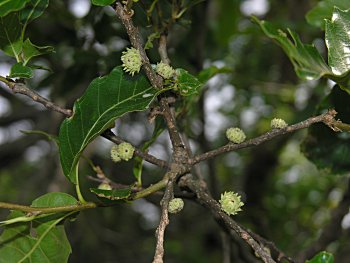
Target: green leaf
x,y
8,6
18,70
210,72
30,50
10,35
42,240
102,2
114,195
338,41
186,82
307,61
327,149
105,100
323,10
33,10
322,257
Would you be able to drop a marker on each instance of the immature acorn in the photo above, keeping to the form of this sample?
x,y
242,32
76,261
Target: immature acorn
x,y
277,123
114,154
132,60
125,151
235,135
231,203
175,205
165,70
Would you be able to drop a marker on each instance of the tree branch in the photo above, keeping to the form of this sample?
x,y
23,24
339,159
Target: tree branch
x,y
222,218
136,42
48,210
109,135
327,118
164,221
21,88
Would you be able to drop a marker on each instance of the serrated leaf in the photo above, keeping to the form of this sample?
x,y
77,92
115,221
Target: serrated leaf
x,y
42,240
307,61
9,6
325,148
322,257
323,10
114,195
30,50
10,35
186,82
33,10
102,2
18,70
105,100
338,41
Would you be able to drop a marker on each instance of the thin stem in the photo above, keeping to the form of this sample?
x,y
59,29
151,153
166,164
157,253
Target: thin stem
x,y
109,135
151,189
47,210
21,88
164,221
327,118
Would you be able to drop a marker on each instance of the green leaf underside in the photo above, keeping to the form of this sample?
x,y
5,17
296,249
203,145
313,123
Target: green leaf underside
x,y
30,50
8,6
33,10
105,100
10,35
306,60
325,148
187,83
102,2
322,257
115,194
323,10
338,41
18,70
41,240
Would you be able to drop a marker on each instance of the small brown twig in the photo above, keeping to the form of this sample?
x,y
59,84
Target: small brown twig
x,y
136,42
21,88
222,218
327,118
164,221
109,135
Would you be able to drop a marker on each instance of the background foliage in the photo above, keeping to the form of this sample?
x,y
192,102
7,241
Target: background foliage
x,y
288,199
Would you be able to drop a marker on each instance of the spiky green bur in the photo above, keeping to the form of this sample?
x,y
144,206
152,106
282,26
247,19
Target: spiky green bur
x,y
165,70
132,61
114,154
175,205
125,151
235,135
277,123
231,203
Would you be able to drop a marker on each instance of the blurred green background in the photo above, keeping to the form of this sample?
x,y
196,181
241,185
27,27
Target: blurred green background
x,y
288,200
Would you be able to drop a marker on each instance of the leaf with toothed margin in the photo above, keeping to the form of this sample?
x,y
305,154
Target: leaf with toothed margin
x,y
105,100
307,61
